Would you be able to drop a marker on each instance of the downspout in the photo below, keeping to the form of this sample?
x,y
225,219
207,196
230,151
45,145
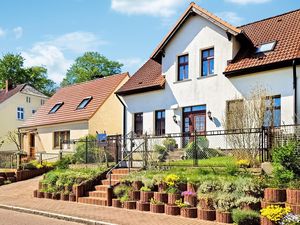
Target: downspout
x,y
295,91
124,118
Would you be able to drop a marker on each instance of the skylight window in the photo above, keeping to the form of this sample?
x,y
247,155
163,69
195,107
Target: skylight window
x,y
84,102
56,107
266,47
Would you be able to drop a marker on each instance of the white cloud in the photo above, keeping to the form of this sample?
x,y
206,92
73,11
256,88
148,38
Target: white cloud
x,y
18,31
131,64
245,2
230,17
161,8
52,52
2,32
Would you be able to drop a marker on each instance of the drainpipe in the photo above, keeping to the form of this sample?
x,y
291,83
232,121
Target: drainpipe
x,y
295,91
124,118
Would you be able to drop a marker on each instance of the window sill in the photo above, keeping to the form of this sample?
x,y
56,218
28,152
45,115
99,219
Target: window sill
x,y
182,81
213,75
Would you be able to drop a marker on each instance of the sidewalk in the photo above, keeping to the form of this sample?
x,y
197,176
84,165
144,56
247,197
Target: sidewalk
x,y
20,195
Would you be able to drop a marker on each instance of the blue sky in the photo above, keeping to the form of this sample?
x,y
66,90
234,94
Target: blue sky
x,y
53,33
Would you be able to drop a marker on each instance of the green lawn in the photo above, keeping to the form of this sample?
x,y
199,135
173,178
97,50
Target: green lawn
x,y
221,161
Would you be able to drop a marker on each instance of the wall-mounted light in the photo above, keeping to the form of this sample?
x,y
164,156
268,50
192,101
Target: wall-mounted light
x,y
175,119
209,115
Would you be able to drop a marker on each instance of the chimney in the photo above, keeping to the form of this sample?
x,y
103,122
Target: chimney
x,y
8,85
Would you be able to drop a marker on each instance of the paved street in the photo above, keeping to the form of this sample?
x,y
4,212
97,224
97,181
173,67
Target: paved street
x,y
9,217
20,195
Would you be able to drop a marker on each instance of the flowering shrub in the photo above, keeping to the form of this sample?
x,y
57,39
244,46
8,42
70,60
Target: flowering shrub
x,y
290,219
190,193
182,204
275,213
171,179
243,163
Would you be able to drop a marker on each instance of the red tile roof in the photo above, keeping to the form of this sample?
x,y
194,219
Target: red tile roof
x,y
4,96
71,96
284,29
148,77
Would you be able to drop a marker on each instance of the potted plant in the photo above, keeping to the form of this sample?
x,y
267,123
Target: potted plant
x,y
293,193
173,195
64,196
157,206
190,197
186,210
206,209
122,193
248,203
159,181
273,214
224,204
146,194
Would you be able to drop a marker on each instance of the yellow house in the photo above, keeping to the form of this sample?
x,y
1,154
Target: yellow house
x,y
73,112
16,105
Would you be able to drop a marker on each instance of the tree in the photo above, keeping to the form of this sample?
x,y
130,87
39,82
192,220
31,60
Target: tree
x,y
90,66
14,137
12,68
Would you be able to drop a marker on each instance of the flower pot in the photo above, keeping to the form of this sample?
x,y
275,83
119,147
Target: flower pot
x,y
135,195
116,203
143,206
35,193
274,195
293,196
189,212
207,214
172,198
48,195
224,217
64,197
295,208
162,197
157,208
40,194
72,197
266,221
192,187
56,196
182,187
130,204
191,199
146,196
265,204
172,210
251,206
137,185
206,203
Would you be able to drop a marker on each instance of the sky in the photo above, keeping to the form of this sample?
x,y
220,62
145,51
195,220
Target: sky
x,y
53,33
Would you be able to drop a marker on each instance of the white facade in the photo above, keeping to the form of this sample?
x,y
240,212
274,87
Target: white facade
x,y
195,35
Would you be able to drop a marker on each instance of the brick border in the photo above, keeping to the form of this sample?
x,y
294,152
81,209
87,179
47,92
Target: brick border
x,y
54,215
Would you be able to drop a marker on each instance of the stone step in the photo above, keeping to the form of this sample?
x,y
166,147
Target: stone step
x,y
101,187
123,171
98,194
117,176
93,201
113,182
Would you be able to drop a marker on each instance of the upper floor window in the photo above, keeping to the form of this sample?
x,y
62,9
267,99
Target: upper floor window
x,y
138,123
56,107
20,113
183,67
42,101
207,62
160,122
273,111
28,99
266,47
84,103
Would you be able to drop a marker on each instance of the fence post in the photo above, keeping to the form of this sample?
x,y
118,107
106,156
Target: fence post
x,y
41,158
146,151
195,161
60,149
131,149
86,150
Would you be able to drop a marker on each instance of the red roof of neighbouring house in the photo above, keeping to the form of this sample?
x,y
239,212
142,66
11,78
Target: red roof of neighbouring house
x,y
72,96
284,29
147,78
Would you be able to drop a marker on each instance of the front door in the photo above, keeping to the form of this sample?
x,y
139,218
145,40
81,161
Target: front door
x,y
32,145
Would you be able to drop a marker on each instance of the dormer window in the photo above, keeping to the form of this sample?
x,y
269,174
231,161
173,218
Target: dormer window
x,y
56,107
84,102
266,47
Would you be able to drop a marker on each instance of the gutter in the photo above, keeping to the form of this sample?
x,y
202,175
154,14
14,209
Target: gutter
x,y
295,91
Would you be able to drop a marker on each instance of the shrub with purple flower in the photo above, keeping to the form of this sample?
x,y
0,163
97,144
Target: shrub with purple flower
x,y
290,219
189,193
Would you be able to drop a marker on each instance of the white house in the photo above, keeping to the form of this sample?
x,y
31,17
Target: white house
x,y
203,63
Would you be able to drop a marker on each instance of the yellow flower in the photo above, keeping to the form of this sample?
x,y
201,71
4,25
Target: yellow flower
x,y
171,179
274,212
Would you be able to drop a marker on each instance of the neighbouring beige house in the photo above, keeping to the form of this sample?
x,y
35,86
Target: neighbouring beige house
x,y
74,112
17,104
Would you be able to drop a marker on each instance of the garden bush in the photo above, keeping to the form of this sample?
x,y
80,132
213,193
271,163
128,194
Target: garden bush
x,y
170,144
245,217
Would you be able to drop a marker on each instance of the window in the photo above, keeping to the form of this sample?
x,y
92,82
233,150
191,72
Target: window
x,y
84,102
183,67
56,107
266,47
207,62
234,114
28,99
160,122
138,123
20,113
42,101
33,111
61,136
273,111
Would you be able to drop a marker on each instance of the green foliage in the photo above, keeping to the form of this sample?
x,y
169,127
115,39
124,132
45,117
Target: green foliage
x,y
169,143
243,217
247,200
90,66
145,188
65,162
162,152
225,202
12,68
232,169
122,192
181,204
155,202
34,164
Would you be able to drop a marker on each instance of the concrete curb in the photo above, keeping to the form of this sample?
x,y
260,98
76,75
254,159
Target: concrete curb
x,y
54,215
